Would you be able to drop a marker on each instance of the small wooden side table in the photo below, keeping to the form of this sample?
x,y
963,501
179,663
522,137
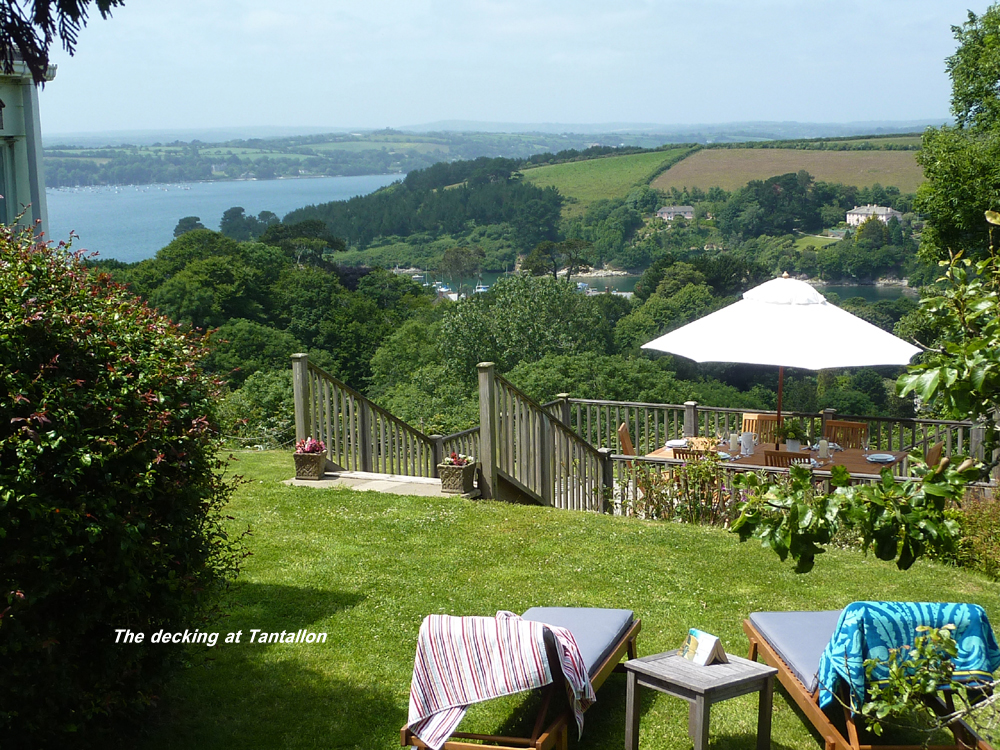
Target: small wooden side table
x,y
672,674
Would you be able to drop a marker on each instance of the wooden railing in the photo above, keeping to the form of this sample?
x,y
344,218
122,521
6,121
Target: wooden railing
x,y
652,425
522,443
959,438
359,435
557,453
466,442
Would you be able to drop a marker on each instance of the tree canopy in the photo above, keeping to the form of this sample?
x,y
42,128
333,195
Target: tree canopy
x,y
960,162
29,34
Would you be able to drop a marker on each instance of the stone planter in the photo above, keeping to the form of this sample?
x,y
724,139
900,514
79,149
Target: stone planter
x,y
310,465
457,479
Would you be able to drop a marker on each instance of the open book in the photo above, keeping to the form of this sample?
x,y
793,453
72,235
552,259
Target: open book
x,y
703,648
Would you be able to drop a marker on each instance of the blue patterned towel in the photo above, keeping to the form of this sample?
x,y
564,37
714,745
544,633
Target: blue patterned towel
x,y
867,630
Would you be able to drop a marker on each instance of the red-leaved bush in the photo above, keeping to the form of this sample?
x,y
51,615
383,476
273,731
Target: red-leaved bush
x,y
111,496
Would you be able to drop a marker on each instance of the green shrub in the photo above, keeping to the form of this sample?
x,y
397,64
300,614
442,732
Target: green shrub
x,y
111,494
979,548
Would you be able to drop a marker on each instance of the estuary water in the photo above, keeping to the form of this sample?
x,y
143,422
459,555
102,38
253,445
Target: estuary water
x,y
130,223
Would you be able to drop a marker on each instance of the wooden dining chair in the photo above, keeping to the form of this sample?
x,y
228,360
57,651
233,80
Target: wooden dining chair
x,y
765,425
784,459
846,434
625,442
687,454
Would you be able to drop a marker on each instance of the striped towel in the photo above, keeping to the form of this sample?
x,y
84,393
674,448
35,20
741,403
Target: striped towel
x,y
463,660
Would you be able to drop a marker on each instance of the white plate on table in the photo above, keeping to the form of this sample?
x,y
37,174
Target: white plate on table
x,y
881,458
724,456
681,443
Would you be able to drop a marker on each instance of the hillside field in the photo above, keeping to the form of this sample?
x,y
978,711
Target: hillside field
x,y
584,182
731,168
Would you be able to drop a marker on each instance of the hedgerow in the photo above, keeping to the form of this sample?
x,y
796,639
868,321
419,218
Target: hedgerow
x,y
111,496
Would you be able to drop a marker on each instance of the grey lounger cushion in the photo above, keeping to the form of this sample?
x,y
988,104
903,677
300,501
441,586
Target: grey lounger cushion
x,y
596,631
799,638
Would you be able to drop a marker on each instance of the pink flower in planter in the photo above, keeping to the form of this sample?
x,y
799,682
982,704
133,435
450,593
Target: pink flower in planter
x,y
310,445
457,459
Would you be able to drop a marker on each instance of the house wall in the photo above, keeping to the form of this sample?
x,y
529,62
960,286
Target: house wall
x,y
856,219
22,181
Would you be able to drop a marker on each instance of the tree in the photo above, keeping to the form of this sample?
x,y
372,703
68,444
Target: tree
x,y
544,258
234,224
459,263
242,347
30,35
521,318
959,375
959,162
975,70
575,255
873,232
313,229
188,224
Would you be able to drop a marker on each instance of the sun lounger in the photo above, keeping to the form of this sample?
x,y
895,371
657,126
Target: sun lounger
x,y
812,652
604,638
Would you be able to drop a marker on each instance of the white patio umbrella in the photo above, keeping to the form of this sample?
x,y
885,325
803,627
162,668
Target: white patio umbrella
x,y
787,323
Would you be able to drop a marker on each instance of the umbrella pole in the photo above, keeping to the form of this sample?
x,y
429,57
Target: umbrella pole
x,y
781,383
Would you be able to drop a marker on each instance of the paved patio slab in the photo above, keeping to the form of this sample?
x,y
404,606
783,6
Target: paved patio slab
x,y
363,480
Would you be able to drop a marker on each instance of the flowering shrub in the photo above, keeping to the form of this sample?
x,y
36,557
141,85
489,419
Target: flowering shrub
x,y
111,496
310,445
458,459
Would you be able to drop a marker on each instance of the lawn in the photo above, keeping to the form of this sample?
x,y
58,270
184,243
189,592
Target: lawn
x,y
812,242
584,182
732,168
367,567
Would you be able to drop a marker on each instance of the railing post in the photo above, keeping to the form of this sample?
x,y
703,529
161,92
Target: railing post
x,y
690,419
607,478
300,396
976,437
437,453
825,416
487,430
546,455
564,414
365,444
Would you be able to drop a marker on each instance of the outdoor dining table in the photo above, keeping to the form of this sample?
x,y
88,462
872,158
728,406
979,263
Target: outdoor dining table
x,y
853,459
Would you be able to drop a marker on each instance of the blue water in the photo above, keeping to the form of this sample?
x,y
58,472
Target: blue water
x,y
131,223
870,293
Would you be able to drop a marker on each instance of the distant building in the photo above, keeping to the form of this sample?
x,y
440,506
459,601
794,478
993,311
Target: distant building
x,y
859,214
669,213
21,178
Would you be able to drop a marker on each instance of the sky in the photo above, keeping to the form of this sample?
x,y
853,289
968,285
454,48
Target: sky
x,y
159,64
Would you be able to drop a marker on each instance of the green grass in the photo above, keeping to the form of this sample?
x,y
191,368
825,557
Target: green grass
x,y
811,242
732,168
367,567
594,179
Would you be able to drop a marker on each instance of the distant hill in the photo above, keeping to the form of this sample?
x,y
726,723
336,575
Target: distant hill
x,y
583,182
692,133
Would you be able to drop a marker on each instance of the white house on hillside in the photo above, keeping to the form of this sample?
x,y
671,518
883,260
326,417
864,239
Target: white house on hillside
x,y
21,177
669,213
859,214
